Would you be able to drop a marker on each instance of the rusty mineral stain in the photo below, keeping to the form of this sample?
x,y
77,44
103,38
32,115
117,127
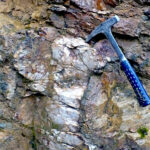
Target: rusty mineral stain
x,y
107,83
114,115
109,107
100,5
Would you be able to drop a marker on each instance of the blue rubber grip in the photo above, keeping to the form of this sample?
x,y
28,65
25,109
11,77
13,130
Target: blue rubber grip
x,y
142,95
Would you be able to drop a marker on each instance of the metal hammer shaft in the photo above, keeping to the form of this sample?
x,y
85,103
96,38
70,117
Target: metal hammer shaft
x,y
139,90
105,28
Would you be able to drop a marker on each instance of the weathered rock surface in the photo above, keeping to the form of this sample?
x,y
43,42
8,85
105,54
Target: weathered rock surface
x,y
93,5
143,1
58,92
32,62
128,26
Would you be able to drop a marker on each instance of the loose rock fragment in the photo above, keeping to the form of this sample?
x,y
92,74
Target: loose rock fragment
x,y
58,8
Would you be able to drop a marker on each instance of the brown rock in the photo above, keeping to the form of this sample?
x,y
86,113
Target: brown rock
x,y
6,7
86,4
39,13
21,5
18,14
24,113
127,26
17,136
94,4
100,5
9,24
111,2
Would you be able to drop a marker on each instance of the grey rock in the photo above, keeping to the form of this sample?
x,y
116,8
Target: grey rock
x,y
63,116
68,138
56,1
86,4
143,1
56,146
147,13
8,83
72,102
58,8
57,20
12,132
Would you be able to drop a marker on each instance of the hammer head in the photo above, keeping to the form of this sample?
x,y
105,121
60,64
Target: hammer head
x,y
103,28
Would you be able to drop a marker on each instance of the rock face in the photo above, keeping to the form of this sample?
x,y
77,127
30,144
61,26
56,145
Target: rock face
x,y
32,61
128,26
143,1
58,92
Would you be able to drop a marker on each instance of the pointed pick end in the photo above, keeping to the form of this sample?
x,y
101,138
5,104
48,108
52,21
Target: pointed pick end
x,y
88,39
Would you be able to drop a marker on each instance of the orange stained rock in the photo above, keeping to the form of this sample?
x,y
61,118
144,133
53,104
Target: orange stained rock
x,y
110,2
67,2
108,83
100,5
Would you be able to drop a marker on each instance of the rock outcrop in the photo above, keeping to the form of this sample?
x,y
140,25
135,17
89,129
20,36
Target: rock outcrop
x,y
58,92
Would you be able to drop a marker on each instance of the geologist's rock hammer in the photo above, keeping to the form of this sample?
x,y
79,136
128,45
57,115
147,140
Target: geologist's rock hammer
x,y
105,28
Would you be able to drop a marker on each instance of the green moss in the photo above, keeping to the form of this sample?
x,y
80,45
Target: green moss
x,y
33,140
27,27
54,126
143,131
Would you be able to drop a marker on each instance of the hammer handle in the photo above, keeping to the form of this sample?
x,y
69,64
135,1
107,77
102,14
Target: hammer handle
x,y
142,95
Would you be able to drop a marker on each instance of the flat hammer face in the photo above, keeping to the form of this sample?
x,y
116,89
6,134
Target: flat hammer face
x,y
103,28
